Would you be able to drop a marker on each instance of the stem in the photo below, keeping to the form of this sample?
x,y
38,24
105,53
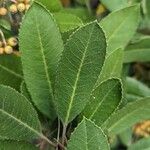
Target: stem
x,y
64,134
58,133
48,141
3,38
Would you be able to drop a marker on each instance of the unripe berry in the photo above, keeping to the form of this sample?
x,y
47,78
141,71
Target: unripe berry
x,y
3,11
21,7
1,50
8,49
12,41
13,8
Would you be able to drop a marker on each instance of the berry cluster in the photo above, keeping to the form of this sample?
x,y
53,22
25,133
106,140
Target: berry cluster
x,y
142,129
14,7
8,46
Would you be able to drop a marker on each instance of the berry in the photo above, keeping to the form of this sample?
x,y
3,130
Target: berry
x,y
12,41
26,1
20,1
13,8
27,6
8,49
21,7
3,11
1,50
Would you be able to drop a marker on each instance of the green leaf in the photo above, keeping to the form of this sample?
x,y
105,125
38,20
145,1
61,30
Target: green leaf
x,y
10,71
15,145
24,91
52,5
136,88
120,27
115,4
78,70
79,12
87,136
104,101
112,66
138,51
41,46
128,116
143,144
18,119
4,23
67,22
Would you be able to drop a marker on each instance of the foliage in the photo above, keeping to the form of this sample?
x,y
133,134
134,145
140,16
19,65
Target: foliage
x,y
66,83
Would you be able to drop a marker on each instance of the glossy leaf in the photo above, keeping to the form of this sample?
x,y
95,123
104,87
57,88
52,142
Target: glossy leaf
x,y
41,46
120,27
18,119
87,136
15,145
52,5
112,66
10,71
143,144
67,22
80,65
104,101
128,116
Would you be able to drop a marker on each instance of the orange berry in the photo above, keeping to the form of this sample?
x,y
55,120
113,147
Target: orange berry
x,y
3,11
26,1
1,50
12,41
8,49
21,7
20,1
13,8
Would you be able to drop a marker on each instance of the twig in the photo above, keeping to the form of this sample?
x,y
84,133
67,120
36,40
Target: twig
x,y
59,144
64,134
58,133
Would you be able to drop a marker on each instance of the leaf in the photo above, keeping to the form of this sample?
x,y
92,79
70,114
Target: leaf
x,y
120,27
143,144
67,22
79,67
104,101
15,145
138,51
41,46
52,5
10,71
80,12
115,4
112,67
24,91
128,116
87,136
18,119
137,88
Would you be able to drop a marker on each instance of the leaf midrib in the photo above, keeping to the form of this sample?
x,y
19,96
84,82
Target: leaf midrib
x,y
77,78
44,59
11,71
102,101
22,123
